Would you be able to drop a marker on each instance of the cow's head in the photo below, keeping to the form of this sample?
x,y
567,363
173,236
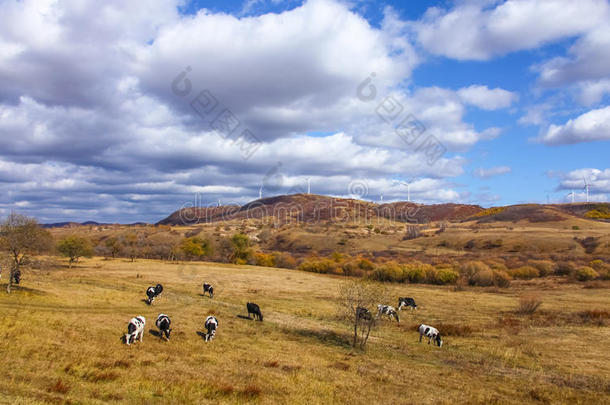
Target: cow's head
x,y
439,340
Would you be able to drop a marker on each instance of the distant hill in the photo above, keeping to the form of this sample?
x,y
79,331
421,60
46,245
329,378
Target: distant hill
x,y
543,212
312,208
71,224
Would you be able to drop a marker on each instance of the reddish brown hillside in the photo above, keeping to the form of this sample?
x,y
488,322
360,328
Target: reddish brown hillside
x,y
311,208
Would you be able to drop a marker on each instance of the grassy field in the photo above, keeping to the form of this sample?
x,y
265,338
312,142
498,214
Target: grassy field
x,y
61,341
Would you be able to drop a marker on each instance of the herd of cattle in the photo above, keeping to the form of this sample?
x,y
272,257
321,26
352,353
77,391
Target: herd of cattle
x,y
135,328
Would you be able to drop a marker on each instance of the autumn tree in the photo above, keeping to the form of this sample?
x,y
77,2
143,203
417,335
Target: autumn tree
x,y
240,245
114,246
195,247
358,306
21,237
74,247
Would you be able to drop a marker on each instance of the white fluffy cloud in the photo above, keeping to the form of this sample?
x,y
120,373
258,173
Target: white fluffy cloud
x,y
598,180
482,30
486,98
590,126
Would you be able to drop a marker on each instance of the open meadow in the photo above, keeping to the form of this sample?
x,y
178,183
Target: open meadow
x,y
61,342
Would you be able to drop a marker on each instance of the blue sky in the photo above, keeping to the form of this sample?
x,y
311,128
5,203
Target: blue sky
x,y
97,123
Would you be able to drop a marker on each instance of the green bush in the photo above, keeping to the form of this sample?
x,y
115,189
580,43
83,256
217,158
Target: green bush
x,y
585,273
323,266
544,267
415,273
524,272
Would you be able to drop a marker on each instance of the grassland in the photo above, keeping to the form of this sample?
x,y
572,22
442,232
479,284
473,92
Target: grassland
x,y
60,341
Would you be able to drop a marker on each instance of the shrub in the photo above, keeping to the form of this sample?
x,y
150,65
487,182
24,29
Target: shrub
x,y
524,272
483,278
415,273
528,304
544,267
264,259
585,273
323,266
365,264
599,265
390,271
565,269
284,260
446,276
501,278
475,272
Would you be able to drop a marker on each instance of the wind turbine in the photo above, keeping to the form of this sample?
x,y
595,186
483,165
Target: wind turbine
x,y
260,193
308,184
571,194
408,184
586,187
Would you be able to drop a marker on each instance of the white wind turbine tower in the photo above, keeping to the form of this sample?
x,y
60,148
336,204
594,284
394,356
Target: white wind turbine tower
x,y
308,184
586,187
571,194
260,193
408,184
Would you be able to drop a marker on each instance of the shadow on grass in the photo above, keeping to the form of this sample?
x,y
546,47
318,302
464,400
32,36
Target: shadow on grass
x,y
16,288
327,337
244,317
144,300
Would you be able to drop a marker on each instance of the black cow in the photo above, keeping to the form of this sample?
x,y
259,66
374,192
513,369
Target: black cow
x,y
211,323
363,313
164,323
153,292
16,275
207,288
254,309
406,302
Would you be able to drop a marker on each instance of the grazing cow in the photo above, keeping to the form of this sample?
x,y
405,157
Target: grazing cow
x,y
207,288
211,324
406,302
153,292
254,309
164,323
387,310
135,329
431,333
363,313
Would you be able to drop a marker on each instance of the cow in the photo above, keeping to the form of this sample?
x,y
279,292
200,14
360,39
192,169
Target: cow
x,y
387,310
406,302
135,329
255,310
164,323
207,288
363,313
431,333
211,324
153,292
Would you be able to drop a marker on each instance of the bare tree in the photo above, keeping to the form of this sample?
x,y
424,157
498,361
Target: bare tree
x,y
358,303
21,237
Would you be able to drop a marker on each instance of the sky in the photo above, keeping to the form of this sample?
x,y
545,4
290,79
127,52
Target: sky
x,y
121,111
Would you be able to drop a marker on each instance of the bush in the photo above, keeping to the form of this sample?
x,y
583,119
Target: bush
x,y
390,271
323,266
501,279
264,259
599,265
565,269
528,304
415,273
544,267
483,278
446,276
524,272
284,260
476,272
585,273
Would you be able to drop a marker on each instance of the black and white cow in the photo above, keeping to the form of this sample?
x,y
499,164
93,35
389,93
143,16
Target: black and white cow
x,y
255,310
153,292
211,324
363,313
164,325
135,329
387,310
406,302
207,288
431,333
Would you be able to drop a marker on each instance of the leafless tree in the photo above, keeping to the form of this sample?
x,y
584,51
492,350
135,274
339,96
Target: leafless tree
x,y
21,237
358,305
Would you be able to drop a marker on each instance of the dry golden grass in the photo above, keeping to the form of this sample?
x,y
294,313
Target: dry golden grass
x,y
60,341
